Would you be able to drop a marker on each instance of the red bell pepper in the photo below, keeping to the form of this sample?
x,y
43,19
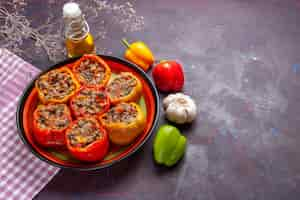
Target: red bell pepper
x,y
168,76
87,140
89,101
50,123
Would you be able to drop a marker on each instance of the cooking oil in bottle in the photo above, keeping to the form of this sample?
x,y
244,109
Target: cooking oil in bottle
x,y
78,40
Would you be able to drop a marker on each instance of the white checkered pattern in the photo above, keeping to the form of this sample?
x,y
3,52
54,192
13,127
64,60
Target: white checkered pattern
x,y
22,175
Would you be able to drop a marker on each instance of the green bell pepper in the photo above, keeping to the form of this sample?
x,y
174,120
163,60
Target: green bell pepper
x,y
169,145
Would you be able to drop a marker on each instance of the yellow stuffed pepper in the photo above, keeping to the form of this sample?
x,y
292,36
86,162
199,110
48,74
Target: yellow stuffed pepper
x,y
124,122
56,86
124,87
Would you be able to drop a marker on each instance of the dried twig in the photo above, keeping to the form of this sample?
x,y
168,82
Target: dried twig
x,y
16,29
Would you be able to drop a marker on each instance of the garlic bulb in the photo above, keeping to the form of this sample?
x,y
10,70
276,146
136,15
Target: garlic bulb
x,y
180,108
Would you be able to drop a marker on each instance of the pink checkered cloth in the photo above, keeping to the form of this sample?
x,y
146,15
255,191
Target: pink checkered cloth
x,y
22,175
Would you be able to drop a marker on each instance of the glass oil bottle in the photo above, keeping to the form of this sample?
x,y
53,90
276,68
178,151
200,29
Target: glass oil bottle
x,y
78,38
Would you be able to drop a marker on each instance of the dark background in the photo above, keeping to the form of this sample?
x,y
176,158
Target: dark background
x,y
241,60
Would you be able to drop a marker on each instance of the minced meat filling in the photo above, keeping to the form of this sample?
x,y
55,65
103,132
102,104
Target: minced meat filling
x,y
53,116
121,85
83,133
56,84
90,101
91,72
122,112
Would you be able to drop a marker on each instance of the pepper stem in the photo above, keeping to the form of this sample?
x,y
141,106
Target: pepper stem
x,y
125,43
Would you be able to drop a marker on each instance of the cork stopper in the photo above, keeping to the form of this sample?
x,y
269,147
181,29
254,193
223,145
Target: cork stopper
x,y
71,10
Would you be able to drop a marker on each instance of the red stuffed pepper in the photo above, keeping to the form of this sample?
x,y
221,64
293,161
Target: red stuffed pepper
x,y
87,140
89,101
50,123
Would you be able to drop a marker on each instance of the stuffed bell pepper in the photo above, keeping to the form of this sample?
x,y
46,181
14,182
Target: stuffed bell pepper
x,y
50,123
87,140
124,122
56,86
89,101
91,70
124,87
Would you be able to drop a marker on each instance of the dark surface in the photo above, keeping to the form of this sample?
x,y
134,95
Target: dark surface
x,y
241,62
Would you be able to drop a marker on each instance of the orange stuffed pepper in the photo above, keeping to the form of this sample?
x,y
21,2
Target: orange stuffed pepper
x,y
56,86
91,70
124,122
124,87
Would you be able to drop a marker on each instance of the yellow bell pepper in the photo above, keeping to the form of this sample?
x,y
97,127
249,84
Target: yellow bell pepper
x,y
115,87
123,132
139,53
